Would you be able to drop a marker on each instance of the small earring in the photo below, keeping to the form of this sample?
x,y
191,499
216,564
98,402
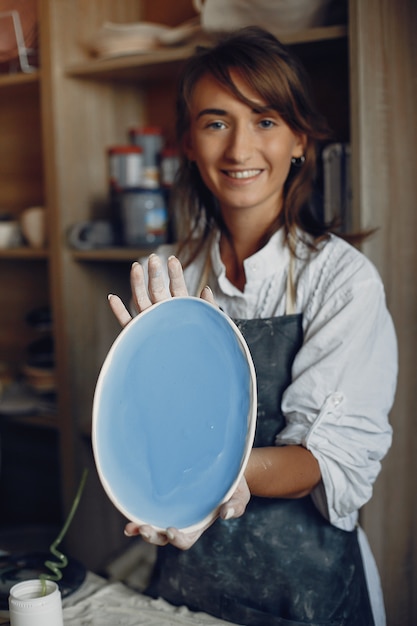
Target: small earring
x,y
298,161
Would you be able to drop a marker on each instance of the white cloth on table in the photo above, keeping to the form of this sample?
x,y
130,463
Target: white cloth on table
x,y
344,375
98,603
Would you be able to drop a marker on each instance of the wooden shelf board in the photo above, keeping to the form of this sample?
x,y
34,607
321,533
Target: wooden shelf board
x,y
314,35
9,80
111,254
41,421
143,65
23,253
126,67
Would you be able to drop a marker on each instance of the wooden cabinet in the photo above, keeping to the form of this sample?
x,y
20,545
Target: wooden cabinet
x,y
56,126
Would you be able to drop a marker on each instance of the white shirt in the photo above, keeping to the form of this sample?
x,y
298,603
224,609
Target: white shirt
x,y
343,377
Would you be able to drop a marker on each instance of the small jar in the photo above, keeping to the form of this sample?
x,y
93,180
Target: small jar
x,y
125,167
151,140
169,166
28,607
144,217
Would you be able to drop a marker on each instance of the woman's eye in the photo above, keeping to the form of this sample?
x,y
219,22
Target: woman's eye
x,y
217,125
267,123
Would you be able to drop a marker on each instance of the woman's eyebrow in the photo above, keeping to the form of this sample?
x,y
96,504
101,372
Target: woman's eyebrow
x,y
257,109
211,112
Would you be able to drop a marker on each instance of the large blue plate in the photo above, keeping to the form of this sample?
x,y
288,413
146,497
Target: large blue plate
x,y
174,414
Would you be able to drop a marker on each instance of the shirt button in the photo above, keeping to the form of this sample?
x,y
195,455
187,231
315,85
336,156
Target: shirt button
x,y
337,399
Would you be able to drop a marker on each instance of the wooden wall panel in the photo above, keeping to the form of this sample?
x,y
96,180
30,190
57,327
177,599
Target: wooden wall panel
x,y
21,168
81,118
384,136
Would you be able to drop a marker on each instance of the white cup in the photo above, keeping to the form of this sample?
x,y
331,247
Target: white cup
x,y
28,607
91,234
33,225
10,235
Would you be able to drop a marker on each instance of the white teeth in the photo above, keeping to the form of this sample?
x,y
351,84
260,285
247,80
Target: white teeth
x,y
244,173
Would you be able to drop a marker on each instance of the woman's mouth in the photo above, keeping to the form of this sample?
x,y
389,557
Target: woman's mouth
x,y
239,174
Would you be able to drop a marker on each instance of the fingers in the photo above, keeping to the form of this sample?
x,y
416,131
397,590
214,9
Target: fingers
x,y
156,291
148,534
177,285
143,294
207,295
183,541
121,313
236,506
139,290
179,539
156,287
132,529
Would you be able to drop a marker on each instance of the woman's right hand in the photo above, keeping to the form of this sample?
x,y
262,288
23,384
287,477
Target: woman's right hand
x,y
144,296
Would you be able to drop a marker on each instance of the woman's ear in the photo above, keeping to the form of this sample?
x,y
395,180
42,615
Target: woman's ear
x,y
300,146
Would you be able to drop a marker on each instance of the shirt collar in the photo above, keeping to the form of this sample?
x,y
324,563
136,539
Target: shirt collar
x,y
271,259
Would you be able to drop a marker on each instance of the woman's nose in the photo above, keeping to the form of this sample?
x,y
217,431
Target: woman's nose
x,y
239,147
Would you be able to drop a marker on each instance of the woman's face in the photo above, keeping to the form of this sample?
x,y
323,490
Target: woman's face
x,y
243,154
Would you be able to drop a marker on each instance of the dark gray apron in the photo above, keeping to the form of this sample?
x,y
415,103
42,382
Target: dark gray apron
x,y
281,563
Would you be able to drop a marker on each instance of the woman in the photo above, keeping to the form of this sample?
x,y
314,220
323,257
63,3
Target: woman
x,y
312,310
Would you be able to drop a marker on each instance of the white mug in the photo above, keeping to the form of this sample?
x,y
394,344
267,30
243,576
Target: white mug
x,y
33,225
91,234
10,235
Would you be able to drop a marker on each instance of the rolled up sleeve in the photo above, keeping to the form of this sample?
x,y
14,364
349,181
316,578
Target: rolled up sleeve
x,y
342,390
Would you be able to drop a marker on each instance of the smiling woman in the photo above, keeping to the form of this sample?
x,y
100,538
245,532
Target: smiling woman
x,y
286,547
243,152
258,87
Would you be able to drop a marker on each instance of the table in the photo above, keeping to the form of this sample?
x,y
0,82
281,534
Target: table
x,y
99,603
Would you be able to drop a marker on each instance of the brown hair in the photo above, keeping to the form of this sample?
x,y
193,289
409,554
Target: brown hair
x,y
273,72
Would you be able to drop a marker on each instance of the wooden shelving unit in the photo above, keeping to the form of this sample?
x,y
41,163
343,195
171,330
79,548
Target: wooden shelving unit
x,y
83,105
157,64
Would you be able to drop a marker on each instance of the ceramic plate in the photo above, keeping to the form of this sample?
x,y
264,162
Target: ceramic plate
x,y
174,414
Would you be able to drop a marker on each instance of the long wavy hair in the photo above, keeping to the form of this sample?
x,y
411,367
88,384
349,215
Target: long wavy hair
x,y
273,73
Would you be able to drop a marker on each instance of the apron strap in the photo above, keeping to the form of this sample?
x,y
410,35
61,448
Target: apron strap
x,y
290,302
204,274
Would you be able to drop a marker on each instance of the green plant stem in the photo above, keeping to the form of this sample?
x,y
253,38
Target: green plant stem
x,y
54,566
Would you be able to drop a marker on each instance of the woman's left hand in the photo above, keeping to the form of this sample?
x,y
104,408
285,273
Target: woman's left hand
x,y
235,507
